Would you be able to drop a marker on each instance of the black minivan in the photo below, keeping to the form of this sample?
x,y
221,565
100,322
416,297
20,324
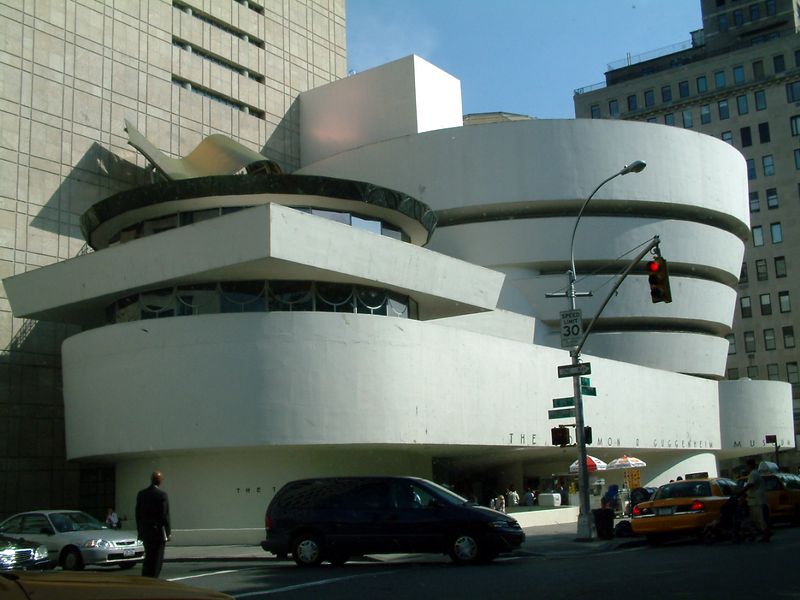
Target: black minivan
x,y
335,518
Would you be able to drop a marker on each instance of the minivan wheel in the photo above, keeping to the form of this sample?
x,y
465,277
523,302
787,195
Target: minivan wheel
x,y
307,550
465,549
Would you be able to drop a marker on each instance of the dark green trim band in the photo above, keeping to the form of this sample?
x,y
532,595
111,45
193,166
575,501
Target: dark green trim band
x,y
236,185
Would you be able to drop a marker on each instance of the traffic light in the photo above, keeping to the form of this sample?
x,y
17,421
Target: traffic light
x,y
587,435
560,436
659,280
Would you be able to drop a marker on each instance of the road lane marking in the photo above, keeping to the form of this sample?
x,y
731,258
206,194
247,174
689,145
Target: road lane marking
x,y
202,575
301,586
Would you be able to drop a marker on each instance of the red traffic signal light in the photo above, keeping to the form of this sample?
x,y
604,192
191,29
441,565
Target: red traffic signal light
x,y
659,280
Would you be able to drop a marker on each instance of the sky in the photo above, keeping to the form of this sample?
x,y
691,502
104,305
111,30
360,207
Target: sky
x,y
517,56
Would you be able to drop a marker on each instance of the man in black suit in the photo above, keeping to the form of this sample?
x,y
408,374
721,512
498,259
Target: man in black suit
x,y
152,524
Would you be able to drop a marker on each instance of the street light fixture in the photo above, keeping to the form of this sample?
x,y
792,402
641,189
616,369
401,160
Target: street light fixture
x,y
584,518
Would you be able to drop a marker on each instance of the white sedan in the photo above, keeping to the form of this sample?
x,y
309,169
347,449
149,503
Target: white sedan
x,y
75,539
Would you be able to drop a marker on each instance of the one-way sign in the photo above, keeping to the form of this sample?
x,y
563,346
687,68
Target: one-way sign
x,y
572,370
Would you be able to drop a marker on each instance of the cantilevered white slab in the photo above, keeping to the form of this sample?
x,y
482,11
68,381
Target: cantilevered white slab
x,y
264,242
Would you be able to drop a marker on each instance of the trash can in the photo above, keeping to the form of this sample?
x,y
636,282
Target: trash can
x,y
604,522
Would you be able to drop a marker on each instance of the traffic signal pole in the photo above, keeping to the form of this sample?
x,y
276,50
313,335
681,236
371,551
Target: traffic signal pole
x,y
584,518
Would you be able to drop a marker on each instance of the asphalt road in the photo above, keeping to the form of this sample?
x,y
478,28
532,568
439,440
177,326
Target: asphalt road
x,y
675,570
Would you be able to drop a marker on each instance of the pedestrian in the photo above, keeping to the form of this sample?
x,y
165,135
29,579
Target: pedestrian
x,y
757,500
512,497
500,502
530,498
112,520
152,524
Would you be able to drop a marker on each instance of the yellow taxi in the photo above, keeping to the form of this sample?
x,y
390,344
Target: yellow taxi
x,y
682,508
71,585
783,496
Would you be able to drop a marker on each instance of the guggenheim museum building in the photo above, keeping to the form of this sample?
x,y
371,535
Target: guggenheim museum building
x,y
388,307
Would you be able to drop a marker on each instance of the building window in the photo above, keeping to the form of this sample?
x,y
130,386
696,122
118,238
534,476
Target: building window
x,y
741,104
761,99
738,17
772,372
768,165
763,133
746,307
731,344
751,167
649,97
793,91
727,136
743,273
749,342
719,79
722,22
705,114
758,69
755,12
772,198
794,123
797,158
733,374
766,304
683,89
792,374
755,203
722,107
788,336
761,269
784,302
769,339
752,372
797,58
666,93
778,63
613,108
669,119
702,84
738,74
776,232
747,139
652,120
770,7
780,267
687,119
595,108
758,235
632,102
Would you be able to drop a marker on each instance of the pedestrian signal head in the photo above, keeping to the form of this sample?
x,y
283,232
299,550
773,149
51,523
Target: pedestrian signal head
x,y
659,280
559,436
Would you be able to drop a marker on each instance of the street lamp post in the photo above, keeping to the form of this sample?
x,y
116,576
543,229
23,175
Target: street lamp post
x,y
584,518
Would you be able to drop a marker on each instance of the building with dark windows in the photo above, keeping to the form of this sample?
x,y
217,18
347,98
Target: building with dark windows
x,y
739,81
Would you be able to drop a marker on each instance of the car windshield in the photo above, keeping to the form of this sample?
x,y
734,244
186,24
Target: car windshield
x,y
444,494
75,521
685,489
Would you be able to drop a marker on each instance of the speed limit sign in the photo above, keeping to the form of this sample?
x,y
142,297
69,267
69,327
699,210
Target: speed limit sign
x,y
571,327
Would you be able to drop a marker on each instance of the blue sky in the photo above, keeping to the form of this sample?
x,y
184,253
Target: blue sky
x,y
520,56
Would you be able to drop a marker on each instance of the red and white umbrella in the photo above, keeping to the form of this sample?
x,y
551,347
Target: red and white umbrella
x,y
626,462
592,464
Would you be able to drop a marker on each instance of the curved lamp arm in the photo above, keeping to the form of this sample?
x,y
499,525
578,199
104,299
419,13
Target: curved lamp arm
x,y
636,166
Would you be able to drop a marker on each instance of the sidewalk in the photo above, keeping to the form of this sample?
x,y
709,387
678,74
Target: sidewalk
x,y
545,540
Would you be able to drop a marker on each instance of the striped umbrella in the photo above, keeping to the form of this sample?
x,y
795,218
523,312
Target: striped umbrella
x,y
592,464
626,462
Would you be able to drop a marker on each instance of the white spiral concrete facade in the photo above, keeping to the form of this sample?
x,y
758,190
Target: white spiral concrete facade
x,y
502,190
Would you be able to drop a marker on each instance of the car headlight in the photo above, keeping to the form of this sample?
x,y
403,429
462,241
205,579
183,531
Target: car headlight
x,y
105,544
40,553
7,557
498,524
